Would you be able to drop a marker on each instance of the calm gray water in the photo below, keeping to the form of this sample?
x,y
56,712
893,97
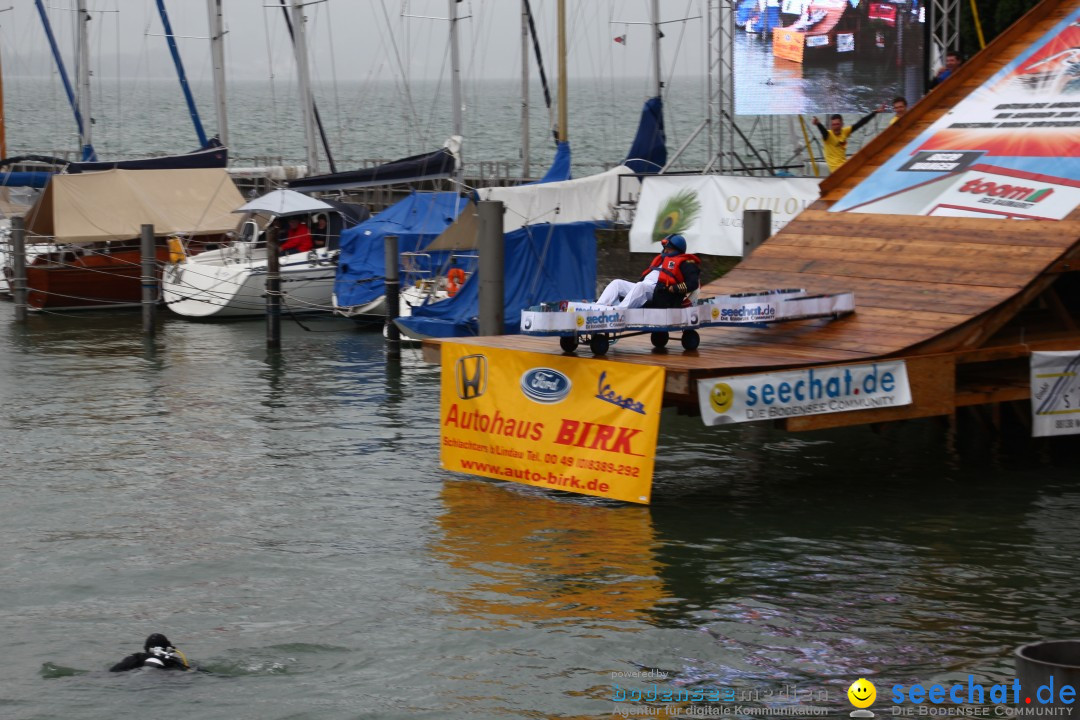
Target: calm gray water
x,y
284,520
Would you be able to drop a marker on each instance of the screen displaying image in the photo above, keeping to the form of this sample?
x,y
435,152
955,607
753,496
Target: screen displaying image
x,y
827,56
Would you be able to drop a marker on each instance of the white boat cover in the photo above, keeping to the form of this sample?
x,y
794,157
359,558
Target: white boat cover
x,y
284,202
589,198
114,204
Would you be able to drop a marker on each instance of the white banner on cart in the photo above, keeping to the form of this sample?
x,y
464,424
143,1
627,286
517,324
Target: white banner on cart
x,y
1055,393
708,209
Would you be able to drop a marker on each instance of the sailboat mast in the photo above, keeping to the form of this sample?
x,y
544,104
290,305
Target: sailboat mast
x,y
304,84
658,83
563,131
179,65
88,154
82,73
217,56
455,84
524,88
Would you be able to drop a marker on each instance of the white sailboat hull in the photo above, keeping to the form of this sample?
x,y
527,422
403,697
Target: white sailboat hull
x,y
231,282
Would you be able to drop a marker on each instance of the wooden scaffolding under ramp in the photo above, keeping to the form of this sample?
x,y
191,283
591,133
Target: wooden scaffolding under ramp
x,y
962,300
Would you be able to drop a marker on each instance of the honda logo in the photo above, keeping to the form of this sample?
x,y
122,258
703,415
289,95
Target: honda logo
x,y
470,376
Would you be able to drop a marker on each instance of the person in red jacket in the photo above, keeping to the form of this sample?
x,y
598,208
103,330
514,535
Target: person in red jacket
x,y
299,239
667,282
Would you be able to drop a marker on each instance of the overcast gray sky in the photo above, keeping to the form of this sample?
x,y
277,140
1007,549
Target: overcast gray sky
x,y
357,39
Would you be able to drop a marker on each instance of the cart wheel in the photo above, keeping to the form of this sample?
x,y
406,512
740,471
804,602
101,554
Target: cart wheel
x,y
690,339
659,339
599,343
568,343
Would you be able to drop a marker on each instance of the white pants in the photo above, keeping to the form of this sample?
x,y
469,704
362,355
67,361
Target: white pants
x,y
625,294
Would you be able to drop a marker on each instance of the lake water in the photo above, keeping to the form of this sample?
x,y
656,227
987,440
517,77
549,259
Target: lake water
x,y
283,518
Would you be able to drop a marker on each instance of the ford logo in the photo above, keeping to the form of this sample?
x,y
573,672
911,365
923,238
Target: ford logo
x,y
544,385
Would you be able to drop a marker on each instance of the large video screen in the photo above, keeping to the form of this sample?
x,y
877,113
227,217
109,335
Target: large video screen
x,y
797,57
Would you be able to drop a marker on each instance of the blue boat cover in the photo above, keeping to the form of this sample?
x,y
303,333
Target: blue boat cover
x,y
544,263
33,179
560,166
649,151
416,220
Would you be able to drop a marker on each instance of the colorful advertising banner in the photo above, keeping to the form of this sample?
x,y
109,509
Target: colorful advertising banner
x,y
1010,149
794,57
564,423
708,209
813,391
1055,393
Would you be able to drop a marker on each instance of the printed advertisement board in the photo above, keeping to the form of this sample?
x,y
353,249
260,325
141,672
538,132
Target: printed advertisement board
x,y
812,391
562,423
708,209
795,57
1055,393
1011,149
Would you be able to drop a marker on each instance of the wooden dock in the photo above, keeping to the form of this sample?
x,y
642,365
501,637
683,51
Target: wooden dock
x,y
963,301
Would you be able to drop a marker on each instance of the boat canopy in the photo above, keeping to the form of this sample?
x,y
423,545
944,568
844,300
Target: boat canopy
x,y
429,166
416,220
589,198
281,203
114,204
214,155
543,263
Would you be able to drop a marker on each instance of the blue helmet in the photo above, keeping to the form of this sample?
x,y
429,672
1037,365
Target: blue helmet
x,y
675,241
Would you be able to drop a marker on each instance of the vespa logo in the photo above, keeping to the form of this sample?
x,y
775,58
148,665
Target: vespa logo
x,y
544,385
471,376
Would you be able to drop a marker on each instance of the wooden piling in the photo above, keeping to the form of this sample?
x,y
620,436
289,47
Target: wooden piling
x,y
492,251
18,266
393,297
149,280
273,289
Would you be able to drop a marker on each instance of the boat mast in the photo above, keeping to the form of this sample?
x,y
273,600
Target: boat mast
x,y
304,84
658,83
524,88
217,55
88,154
179,64
3,133
82,72
455,86
563,132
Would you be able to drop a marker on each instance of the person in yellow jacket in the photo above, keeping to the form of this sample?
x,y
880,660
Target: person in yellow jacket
x,y
836,136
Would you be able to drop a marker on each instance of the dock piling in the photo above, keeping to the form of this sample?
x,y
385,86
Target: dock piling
x,y
273,289
149,281
393,298
492,251
18,266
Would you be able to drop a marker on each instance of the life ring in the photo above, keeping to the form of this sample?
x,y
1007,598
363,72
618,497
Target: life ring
x,y
455,278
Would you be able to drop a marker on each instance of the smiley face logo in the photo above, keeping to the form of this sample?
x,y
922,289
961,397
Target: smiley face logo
x,y
580,321
721,397
862,693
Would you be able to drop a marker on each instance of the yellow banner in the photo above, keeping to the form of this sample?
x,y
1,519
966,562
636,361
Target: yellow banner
x,y
564,423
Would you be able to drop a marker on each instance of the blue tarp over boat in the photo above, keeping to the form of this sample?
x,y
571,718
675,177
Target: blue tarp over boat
x,y
648,153
416,220
544,263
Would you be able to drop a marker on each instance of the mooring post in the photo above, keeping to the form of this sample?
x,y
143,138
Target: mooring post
x,y
18,266
273,289
393,297
756,229
492,266
149,282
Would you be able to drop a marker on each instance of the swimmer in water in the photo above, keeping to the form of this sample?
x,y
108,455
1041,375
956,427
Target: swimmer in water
x,y
158,653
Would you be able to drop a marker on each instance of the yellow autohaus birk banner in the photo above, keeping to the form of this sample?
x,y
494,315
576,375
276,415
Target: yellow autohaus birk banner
x,y
559,422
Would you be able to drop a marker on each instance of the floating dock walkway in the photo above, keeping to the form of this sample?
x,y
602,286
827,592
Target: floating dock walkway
x,y
962,300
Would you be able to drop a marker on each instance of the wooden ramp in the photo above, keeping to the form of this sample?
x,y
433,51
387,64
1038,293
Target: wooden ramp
x,y
963,300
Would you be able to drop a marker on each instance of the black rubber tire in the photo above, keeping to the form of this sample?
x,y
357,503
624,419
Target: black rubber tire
x,y
660,339
690,339
599,343
568,343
